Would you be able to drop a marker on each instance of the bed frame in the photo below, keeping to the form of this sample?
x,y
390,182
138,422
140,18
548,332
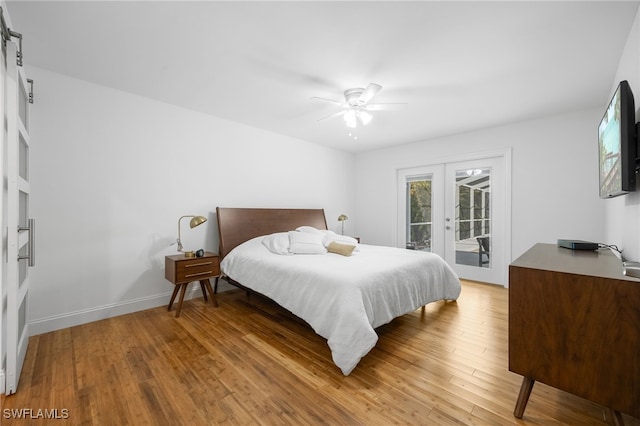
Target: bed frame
x,y
237,225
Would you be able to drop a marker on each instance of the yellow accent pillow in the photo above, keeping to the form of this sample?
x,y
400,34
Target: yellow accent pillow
x,y
338,248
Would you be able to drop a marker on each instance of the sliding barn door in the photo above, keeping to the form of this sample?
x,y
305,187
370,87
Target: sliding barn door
x,y
20,227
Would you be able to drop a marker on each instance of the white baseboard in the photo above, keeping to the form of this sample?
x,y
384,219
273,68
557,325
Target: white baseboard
x,y
70,319
2,382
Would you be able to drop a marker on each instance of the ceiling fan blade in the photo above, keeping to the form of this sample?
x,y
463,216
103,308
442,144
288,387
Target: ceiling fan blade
x,y
329,100
386,107
335,114
369,93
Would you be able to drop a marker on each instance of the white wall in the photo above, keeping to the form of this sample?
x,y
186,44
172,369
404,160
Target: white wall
x,y
554,178
112,172
622,220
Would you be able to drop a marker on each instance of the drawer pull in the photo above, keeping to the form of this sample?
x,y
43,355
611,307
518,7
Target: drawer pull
x,y
200,273
191,265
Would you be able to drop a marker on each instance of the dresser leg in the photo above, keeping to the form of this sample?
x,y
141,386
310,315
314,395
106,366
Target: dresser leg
x,y
523,397
173,296
204,291
207,284
616,417
183,290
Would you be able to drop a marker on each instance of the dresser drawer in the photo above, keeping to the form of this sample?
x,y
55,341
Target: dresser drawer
x,y
179,269
197,269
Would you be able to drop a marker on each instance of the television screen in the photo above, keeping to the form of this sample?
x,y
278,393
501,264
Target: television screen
x,y
617,144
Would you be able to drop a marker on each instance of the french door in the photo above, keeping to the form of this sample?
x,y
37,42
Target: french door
x,y
18,226
459,211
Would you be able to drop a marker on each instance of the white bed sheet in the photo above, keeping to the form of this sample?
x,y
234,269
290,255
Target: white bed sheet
x,y
345,298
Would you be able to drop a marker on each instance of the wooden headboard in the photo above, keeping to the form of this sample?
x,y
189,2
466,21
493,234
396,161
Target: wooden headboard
x,y
237,225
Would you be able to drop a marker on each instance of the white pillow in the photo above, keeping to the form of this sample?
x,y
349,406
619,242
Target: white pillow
x,y
309,229
277,243
305,243
330,236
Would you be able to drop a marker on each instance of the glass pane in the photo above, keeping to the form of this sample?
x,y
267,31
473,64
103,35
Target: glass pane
x,y
23,208
22,317
23,102
23,159
473,220
23,265
419,220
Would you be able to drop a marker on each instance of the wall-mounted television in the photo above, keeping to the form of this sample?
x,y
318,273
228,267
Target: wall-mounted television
x,y
617,144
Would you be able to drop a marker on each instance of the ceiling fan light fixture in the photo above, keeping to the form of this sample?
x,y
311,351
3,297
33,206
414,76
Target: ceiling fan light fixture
x,y
357,105
351,119
364,117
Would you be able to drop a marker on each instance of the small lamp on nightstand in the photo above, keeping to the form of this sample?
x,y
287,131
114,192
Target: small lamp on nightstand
x,y
342,218
195,221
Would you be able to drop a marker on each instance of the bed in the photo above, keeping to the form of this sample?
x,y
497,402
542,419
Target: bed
x,y
343,297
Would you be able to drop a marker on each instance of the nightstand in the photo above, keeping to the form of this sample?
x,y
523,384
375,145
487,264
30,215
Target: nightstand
x,y
182,271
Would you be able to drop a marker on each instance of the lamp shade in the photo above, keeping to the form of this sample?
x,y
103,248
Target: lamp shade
x,y
364,117
197,221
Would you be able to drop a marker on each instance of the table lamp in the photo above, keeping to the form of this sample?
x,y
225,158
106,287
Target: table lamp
x,y
195,221
342,218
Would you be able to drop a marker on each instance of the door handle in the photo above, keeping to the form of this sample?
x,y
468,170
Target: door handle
x,y
31,253
447,227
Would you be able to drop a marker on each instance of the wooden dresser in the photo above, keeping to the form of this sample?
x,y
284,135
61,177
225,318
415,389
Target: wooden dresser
x,y
574,324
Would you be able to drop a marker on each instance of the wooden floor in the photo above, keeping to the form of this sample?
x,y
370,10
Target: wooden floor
x,y
250,362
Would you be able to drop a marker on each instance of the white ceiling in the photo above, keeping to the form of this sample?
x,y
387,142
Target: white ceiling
x,y
459,65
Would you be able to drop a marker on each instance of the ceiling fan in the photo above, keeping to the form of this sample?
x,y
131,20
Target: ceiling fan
x,y
357,105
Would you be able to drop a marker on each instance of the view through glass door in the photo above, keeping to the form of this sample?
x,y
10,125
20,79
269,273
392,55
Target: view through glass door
x,y
456,210
475,219
420,189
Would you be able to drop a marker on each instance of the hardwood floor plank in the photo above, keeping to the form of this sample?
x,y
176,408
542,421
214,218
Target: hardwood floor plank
x,y
250,362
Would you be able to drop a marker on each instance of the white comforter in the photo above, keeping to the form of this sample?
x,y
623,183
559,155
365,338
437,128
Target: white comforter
x,y
344,298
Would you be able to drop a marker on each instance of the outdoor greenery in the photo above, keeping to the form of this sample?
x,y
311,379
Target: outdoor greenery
x,y
420,213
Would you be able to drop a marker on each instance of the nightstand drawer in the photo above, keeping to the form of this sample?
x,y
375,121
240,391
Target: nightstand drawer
x,y
180,269
197,269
